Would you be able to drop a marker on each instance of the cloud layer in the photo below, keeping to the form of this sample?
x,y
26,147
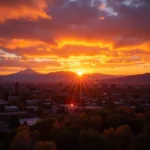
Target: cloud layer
x,y
109,36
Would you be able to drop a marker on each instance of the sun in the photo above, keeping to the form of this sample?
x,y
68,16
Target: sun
x,y
79,73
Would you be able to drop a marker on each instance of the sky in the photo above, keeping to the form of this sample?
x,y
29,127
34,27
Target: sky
x,y
88,36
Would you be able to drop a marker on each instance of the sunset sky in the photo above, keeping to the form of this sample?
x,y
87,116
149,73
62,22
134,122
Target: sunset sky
x,y
106,36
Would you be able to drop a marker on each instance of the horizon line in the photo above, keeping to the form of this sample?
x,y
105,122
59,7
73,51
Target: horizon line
x,y
72,72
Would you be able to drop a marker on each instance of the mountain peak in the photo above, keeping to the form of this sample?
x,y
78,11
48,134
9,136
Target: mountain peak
x,y
28,71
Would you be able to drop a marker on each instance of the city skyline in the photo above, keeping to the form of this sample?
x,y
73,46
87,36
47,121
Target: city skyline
x,y
83,36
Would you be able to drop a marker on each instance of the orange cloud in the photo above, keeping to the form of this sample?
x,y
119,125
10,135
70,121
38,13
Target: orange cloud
x,y
20,43
81,42
75,38
28,9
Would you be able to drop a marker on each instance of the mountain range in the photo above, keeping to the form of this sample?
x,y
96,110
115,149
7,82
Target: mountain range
x,y
29,75
132,79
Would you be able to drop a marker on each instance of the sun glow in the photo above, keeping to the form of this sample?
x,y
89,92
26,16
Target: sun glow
x,y
79,73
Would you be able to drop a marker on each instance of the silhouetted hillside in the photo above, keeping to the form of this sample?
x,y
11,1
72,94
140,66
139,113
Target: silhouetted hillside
x,y
29,75
132,79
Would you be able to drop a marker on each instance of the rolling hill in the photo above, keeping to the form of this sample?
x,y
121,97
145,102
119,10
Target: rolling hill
x,y
132,79
29,75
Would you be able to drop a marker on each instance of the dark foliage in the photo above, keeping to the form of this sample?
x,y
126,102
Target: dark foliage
x,y
103,129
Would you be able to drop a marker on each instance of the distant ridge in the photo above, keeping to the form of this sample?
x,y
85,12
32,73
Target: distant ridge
x,y
29,75
25,75
27,71
100,76
132,79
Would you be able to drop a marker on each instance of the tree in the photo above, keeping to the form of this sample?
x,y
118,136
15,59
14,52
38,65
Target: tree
x,y
84,120
142,141
123,111
21,141
92,140
46,145
96,122
44,126
119,139
103,113
136,124
35,136
63,138
124,136
109,134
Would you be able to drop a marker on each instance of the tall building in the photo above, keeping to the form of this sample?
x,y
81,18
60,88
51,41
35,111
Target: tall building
x,y
104,85
6,94
16,89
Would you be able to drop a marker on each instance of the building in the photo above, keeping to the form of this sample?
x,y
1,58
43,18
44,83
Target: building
x,y
13,99
120,103
3,103
65,108
70,108
104,86
6,94
11,108
55,109
16,88
32,102
146,107
32,108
